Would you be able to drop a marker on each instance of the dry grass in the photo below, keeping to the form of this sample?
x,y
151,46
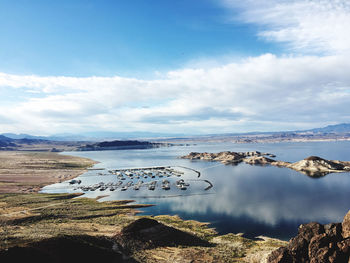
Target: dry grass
x,y
36,217
29,171
25,218
39,216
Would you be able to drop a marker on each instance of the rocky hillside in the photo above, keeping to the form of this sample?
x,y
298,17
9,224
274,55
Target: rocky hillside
x,y
119,145
228,157
33,144
312,166
317,243
150,241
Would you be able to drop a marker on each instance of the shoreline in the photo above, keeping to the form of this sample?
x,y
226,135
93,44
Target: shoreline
x,y
28,172
58,215
28,220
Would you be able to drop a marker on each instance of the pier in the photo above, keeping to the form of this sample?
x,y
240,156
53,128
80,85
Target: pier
x,y
155,177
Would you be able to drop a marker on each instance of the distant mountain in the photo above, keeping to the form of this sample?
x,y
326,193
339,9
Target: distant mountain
x,y
5,139
126,135
338,128
94,136
23,136
6,142
19,139
98,136
64,137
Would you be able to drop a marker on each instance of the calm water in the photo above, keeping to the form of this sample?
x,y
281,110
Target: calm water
x,y
254,200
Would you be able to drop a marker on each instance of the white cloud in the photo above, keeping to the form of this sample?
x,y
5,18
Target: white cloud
x,y
271,92
266,92
306,25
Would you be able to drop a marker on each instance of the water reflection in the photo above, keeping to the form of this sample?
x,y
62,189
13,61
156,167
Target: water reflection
x,y
256,200
269,197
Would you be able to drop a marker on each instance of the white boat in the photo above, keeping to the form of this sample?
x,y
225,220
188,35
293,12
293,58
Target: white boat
x,y
166,187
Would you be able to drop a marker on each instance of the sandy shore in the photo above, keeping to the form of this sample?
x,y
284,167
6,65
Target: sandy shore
x,y
24,172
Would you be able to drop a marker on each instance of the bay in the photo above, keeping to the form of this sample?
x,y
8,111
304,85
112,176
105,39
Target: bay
x,y
254,200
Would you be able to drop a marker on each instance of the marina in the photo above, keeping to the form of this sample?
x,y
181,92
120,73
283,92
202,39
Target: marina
x,y
234,198
149,178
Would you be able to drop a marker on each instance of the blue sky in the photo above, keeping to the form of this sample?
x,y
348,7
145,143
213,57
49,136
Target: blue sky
x,y
186,66
128,38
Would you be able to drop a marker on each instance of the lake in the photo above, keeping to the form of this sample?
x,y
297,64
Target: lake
x,y
254,200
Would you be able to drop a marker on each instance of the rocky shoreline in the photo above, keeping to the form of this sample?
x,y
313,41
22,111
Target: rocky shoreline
x,y
317,243
312,166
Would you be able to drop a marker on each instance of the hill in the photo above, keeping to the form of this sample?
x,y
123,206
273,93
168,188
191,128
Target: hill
x,y
338,128
120,145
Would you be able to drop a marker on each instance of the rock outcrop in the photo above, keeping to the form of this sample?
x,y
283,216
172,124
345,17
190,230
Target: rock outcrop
x,y
146,233
313,166
259,160
317,243
346,226
230,157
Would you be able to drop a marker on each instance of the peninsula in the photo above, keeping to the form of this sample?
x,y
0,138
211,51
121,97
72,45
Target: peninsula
x,y
121,145
27,172
312,166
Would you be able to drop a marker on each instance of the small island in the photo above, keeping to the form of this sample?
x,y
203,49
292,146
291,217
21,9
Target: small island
x,y
312,166
121,145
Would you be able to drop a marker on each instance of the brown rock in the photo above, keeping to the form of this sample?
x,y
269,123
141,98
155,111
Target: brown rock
x,y
334,230
316,243
346,225
321,256
307,231
298,249
344,246
319,243
258,160
299,245
280,255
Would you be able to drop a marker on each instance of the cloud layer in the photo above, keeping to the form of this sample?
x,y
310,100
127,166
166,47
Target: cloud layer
x,y
304,25
309,87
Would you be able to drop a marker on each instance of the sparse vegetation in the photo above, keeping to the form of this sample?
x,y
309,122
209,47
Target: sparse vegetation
x,y
35,220
31,217
29,171
28,218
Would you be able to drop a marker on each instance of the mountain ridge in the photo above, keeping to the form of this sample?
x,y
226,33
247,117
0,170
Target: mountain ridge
x,y
341,128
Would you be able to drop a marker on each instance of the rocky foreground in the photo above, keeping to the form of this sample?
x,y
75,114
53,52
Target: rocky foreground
x,y
313,166
317,243
61,228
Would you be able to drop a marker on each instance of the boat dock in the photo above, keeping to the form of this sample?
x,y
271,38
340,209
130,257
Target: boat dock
x,y
161,177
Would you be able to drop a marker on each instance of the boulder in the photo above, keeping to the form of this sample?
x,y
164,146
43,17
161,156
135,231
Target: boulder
x,y
334,230
319,247
280,255
346,225
316,243
307,231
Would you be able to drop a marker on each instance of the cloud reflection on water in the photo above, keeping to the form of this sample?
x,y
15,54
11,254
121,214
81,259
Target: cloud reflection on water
x,y
270,195
252,199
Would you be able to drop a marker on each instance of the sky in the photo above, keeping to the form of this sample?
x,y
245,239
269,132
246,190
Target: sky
x,y
185,66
